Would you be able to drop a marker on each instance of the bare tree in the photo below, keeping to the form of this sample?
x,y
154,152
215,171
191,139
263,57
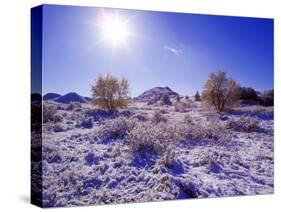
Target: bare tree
x,y
110,93
220,92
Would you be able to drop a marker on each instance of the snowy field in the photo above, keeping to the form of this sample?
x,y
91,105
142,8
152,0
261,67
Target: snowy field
x,y
153,153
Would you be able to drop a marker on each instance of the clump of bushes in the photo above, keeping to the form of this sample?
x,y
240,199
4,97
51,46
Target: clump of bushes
x,y
178,98
248,93
110,93
267,98
58,128
220,92
244,124
180,106
60,107
212,131
158,137
191,129
141,117
166,100
158,117
74,105
187,119
86,123
49,114
57,118
148,137
168,158
210,115
100,115
116,128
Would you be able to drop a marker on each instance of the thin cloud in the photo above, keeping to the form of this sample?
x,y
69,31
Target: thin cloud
x,y
173,50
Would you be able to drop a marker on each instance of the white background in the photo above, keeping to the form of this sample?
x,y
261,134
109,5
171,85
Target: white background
x,y
14,102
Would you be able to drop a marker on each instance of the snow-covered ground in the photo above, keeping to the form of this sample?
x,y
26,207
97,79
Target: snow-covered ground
x,y
92,156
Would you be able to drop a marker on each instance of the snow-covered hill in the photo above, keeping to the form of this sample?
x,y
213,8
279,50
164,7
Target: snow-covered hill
x,y
51,96
70,97
156,94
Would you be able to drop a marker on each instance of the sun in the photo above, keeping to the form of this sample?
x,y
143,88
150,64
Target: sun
x,y
114,29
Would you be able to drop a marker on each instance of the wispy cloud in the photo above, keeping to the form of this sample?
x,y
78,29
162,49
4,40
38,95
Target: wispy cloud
x,y
173,50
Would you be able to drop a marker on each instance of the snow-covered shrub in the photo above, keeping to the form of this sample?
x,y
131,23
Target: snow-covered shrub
x,y
148,137
86,123
74,105
190,104
78,110
99,114
74,116
210,115
187,128
188,119
49,113
64,115
166,100
161,103
57,118
155,137
70,106
58,128
141,117
52,156
158,117
60,107
212,131
116,128
244,124
168,158
180,106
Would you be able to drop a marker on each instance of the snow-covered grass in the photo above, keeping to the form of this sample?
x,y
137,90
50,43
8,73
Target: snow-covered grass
x,y
92,156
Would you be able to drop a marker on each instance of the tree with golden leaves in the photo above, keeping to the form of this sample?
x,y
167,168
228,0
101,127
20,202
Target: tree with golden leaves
x,y
220,92
110,93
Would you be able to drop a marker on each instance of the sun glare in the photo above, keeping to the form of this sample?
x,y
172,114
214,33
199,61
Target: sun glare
x,y
114,29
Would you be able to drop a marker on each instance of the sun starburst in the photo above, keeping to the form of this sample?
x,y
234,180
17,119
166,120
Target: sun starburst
x,y
115,30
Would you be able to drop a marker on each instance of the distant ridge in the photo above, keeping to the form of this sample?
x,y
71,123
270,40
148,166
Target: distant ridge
x,y
51,96
155,94
70,97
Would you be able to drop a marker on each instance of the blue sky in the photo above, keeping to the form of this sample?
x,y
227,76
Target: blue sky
x,y
163,49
